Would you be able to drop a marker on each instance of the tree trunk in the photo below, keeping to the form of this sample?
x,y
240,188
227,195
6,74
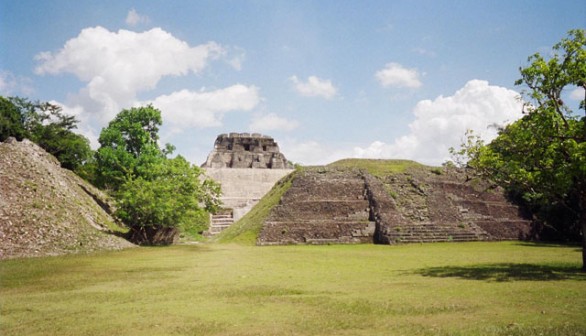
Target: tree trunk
x,y
583,226
153,235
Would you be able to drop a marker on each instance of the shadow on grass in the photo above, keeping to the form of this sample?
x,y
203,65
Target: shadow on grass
x,y
547,244
507,272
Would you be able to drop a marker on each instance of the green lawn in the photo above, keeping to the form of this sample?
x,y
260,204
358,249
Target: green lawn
x,y
507,288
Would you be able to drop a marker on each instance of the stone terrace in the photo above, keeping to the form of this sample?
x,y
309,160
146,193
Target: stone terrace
x,y
326,205
322,206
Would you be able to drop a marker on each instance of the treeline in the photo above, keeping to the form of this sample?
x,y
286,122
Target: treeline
x,y
157,195
541,158
46,125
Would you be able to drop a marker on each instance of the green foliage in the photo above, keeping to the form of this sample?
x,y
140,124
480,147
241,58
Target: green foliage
x,y
11,121
128,147
47,126
541,158
169,196
154,193
246,229
378,168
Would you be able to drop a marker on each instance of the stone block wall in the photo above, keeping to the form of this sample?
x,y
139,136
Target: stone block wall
x,y
243,188
325,205
245,150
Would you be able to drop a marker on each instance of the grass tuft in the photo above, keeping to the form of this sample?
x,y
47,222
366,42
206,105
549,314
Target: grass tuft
x,y
379,168
246,230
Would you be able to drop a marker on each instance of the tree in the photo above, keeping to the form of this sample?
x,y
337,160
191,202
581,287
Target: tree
x,y
155,195
11,121
46,125
128,146
172,197
542,157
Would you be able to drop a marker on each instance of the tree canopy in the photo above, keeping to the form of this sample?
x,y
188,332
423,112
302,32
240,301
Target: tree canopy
x,y
156,195
46,125
541,158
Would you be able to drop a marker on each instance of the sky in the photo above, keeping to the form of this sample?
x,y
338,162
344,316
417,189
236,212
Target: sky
x,y
326,79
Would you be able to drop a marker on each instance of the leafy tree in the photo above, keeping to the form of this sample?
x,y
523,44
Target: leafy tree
x,y
156,195
171,197
542,157
47,126
128,147
11,121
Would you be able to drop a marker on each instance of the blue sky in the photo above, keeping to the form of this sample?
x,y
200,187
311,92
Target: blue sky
x,y
326,79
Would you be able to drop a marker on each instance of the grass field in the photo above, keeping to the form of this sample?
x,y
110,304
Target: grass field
x,y
508,288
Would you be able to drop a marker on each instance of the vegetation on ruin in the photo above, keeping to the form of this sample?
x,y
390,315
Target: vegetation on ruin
x,y
509,288
156,195
246,230
379,168
541,158
46,125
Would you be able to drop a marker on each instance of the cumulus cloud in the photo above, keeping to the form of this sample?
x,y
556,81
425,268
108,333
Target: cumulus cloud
x,y
133,18
577,94
272,122
312,152
184,109
314,87
15,85
441,123
395,75
118,65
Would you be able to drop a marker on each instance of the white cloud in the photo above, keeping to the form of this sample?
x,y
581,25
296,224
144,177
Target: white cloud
x,y
314,87
442,123
395,75
272,122
15,85
133,18
238,57
184,109
577,94
83,127
118,65
311,152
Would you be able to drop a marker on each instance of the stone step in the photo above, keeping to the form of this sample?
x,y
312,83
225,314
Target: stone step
x,y
406,240
222,216
222,221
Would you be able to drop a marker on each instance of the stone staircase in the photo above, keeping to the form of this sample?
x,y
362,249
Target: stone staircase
x,y
325,205
440,209
220,222
321,207
431,232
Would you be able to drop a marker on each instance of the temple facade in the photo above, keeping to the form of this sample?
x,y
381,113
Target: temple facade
x,y
245,150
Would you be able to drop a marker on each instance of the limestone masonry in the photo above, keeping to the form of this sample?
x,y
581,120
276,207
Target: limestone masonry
x,y
247,166
328,205
244,150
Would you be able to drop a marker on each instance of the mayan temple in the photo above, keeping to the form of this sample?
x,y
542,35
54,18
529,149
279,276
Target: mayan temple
x,y
244,150
247,166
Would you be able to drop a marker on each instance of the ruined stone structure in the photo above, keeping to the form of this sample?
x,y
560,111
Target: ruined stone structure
x,y
247,166
326,205
321,207
244,150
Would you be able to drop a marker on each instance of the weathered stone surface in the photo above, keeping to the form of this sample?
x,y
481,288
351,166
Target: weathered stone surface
x,y
244,150
322,206
247,166
48,210
243,188
326,205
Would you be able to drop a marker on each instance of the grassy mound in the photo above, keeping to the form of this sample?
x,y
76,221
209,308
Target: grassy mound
x,y
246,230
378,168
